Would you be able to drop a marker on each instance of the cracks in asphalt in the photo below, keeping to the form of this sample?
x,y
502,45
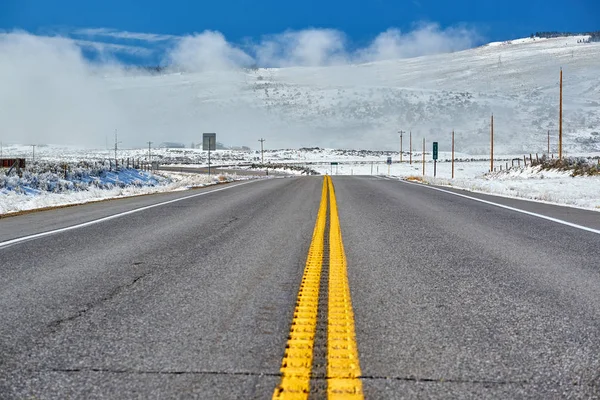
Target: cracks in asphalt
x,y
58,323
471,381
152,372
314,378
442,380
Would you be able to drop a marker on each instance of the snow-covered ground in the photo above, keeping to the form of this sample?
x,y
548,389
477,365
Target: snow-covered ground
x,y
532,183
38,191
471,173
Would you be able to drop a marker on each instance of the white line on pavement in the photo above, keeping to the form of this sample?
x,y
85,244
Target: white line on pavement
x,y
558,221
103,219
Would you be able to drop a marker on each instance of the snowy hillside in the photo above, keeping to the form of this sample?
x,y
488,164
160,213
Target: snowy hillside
x,y
345,106
363,106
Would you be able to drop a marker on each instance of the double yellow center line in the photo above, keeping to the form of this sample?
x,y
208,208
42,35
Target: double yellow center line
x,y
343,369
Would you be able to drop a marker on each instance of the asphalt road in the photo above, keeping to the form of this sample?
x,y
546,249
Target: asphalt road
x,y
453,298
223,170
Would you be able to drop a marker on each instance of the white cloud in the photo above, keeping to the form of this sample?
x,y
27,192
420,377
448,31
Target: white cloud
x,y
311,47
207,51
50,94
425,40
325,47
125,35
105,48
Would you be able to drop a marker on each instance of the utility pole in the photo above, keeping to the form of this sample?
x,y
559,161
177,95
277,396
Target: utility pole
x,y
452,154
423,156
560,130
33,148
401,132
548,142
149,155
116,145
492,146
410,150
209,155
262,151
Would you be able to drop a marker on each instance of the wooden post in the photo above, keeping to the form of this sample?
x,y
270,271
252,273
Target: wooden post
x,y
530,159
453,154
410,150
560,117
525,160
401,132
492,146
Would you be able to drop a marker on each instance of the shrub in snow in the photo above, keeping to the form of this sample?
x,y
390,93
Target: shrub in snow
x,y
81,176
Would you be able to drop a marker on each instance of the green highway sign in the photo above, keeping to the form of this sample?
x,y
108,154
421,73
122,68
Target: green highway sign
x,y
435,150
334,163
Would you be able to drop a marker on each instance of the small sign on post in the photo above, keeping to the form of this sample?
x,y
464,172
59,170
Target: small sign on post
x,y
389,161
209,142
336,167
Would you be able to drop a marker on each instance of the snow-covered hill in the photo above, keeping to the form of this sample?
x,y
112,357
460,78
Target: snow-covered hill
x,y
363,106
346,106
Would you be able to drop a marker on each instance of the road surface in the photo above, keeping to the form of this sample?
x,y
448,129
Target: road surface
x,y
224,170
194,295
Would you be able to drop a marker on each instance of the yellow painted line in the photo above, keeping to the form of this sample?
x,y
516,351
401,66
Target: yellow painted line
x,y
297,361
343,368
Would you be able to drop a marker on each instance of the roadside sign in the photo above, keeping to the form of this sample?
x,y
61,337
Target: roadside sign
x,y
334,163
435,150
209,141
389,161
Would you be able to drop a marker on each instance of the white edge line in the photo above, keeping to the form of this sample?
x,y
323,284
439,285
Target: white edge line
x,y
103,219
558,221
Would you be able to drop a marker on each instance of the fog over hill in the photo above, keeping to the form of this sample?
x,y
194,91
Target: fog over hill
x,y
51,94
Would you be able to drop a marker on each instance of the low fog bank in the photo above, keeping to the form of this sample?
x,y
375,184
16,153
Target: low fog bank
x,y
52,93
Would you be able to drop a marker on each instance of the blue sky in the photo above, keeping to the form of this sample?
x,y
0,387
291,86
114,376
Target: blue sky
x,y
241,21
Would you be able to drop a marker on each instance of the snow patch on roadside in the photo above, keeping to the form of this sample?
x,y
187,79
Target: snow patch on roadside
x,y
533,183
12,201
